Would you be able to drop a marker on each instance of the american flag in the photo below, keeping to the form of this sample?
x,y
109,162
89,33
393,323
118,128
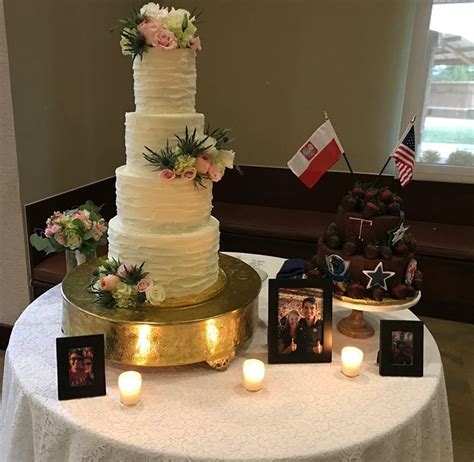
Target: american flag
x,y
404,155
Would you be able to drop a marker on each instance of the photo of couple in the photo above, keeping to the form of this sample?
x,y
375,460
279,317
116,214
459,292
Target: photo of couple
x,y
300,322
81,372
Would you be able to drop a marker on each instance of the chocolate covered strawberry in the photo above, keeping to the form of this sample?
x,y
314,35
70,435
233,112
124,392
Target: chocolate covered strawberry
x,y
399,291
349,248
357,191
386,252
394,209
386,196
411,292
378,293
370,210
372,251
371,194
349,203
333,241
356,290
314,273
401,249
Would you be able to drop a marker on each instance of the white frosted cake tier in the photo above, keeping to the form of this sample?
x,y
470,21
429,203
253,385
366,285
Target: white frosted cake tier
x,y
165,81
154,131
150,204
184,263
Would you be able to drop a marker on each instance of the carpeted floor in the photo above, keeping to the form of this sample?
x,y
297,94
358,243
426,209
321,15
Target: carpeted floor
x,y
456,344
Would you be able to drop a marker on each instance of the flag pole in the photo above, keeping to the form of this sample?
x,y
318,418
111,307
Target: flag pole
x,y
344,155
412,121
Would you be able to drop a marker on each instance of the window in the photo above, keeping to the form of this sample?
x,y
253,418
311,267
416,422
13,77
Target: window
x,y
446,113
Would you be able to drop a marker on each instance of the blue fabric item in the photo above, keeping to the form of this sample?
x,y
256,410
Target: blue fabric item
x,y
292,269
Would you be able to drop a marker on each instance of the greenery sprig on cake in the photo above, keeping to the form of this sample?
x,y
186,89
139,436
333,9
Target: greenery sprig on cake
x,y
79,228
122,285
158,28
194,158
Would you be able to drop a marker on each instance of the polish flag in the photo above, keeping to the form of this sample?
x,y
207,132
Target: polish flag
x,y
317,155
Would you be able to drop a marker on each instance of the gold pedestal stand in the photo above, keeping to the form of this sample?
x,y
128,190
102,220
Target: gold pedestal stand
x,y
355,325
207,330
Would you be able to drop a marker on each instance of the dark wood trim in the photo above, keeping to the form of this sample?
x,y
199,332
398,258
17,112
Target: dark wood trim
x,y
278,187
5,333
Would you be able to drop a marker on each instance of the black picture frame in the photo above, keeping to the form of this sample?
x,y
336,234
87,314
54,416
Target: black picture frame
x,y
401,348
294,291
81,382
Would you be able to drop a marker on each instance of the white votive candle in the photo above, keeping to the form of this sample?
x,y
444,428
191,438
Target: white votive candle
x,y
351,361
130,386
254,372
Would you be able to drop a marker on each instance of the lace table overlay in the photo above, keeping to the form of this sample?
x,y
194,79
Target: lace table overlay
x,y
306,412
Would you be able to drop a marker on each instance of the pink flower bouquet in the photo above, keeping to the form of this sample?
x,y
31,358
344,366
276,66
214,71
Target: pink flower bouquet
x,y
77,229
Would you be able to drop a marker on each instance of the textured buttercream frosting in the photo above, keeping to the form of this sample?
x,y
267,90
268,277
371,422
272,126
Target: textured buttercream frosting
x,y
165,81
165,224
151,204
184,263
154,131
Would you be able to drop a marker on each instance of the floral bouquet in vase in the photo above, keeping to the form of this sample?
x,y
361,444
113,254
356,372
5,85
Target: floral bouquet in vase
x,y
76,231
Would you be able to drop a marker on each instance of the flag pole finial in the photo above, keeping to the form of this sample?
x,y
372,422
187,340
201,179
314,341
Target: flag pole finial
x,y
412,121
326,117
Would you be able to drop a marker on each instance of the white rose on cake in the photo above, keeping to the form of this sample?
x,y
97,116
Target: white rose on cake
x,y
155,294
153,10
227,157
181,25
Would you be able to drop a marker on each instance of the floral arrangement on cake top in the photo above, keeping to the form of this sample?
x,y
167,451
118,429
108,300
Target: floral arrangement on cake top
x,y
160,28
77,229
123,285
194,158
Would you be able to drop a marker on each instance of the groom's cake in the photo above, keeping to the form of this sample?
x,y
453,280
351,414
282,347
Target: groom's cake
x,y
368,252
164,192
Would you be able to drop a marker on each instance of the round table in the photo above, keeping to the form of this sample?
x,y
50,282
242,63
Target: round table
x,y
305,411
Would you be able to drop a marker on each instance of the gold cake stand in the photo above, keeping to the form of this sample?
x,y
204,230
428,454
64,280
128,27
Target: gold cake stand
x,y
202,330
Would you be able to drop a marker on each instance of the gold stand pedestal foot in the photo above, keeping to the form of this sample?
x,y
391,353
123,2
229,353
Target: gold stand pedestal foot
x,y
355,325
221,364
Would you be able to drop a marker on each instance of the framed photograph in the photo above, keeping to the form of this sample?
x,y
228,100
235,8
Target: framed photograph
x,y
80,366
401,348
300,321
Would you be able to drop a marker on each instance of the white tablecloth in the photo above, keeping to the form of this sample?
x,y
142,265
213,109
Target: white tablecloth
x,y
305,412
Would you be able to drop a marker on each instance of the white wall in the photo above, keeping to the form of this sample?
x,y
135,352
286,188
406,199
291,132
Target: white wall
x,y
13,270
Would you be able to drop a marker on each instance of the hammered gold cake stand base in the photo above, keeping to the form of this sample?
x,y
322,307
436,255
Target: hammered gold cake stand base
x,y
210,331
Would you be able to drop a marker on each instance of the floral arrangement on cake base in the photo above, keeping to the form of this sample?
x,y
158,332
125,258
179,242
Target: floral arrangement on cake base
x,y
123,285
158,28
194,158
77,229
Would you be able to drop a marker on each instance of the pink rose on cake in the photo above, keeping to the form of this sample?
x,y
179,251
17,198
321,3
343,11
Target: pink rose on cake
x,y
215,173
124,269
196,44
165,40
109,283
189,174
149,29
143,284
167,174
202,164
